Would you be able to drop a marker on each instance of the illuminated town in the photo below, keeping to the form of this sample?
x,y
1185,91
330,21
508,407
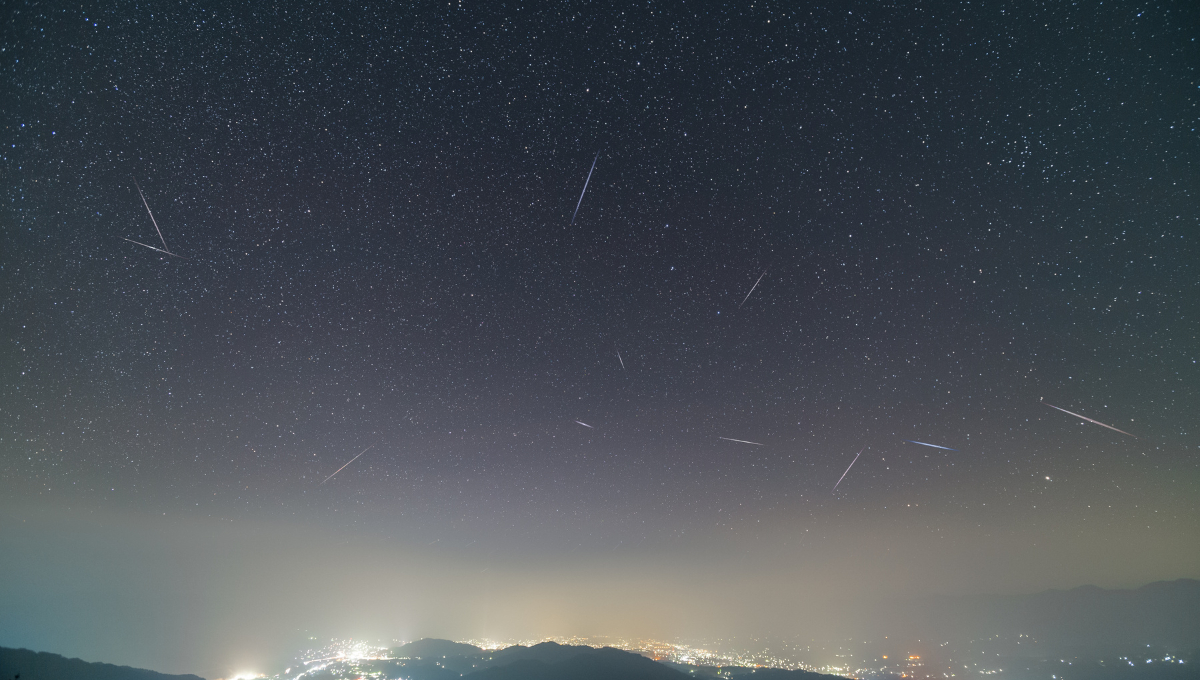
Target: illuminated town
x,y
358,659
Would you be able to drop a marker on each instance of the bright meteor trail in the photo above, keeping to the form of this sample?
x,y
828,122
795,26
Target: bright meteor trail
x,y
585,424
165,249
585,183
760,277
839,481
1097,422
913,441
344,466
740,441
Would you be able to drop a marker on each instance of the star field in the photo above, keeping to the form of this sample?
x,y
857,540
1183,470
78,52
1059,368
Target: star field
x,y
962,210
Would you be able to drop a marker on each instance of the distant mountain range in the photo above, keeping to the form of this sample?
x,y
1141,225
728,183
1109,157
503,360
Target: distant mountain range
x,y
552,661
45,666
1085,620
1027,634
427,659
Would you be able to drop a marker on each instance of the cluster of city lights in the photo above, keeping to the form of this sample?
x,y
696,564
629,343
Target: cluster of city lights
x,y
352,658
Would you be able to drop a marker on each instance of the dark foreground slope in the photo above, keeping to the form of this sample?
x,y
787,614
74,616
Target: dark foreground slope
x,y
746,673
435,648
45,666
597,664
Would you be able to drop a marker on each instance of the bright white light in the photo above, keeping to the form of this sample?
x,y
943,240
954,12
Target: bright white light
x,y
247,675
359,651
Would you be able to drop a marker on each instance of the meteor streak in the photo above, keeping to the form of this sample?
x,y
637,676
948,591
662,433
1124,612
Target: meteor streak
x,y
740,441
839,481
760,277
144,245
913,441
147,246
152,221
1097,422
585,424
344,466
620,360
585,183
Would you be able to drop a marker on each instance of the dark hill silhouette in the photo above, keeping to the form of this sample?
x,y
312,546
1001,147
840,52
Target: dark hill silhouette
x,y
445,660
430,648
546,652
413,669
773,674
746,673
32,665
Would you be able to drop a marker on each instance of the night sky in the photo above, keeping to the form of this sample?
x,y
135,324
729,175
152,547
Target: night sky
x,y
954,212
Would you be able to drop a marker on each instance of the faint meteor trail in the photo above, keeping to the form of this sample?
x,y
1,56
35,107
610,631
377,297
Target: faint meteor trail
x,y
585,424
153,248
344,466
839,481
620,360
585,183
760,277
1097,422
148,246
913,441
740,441
152,220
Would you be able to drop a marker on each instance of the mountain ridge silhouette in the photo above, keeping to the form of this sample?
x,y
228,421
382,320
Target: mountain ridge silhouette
x,y
31,665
